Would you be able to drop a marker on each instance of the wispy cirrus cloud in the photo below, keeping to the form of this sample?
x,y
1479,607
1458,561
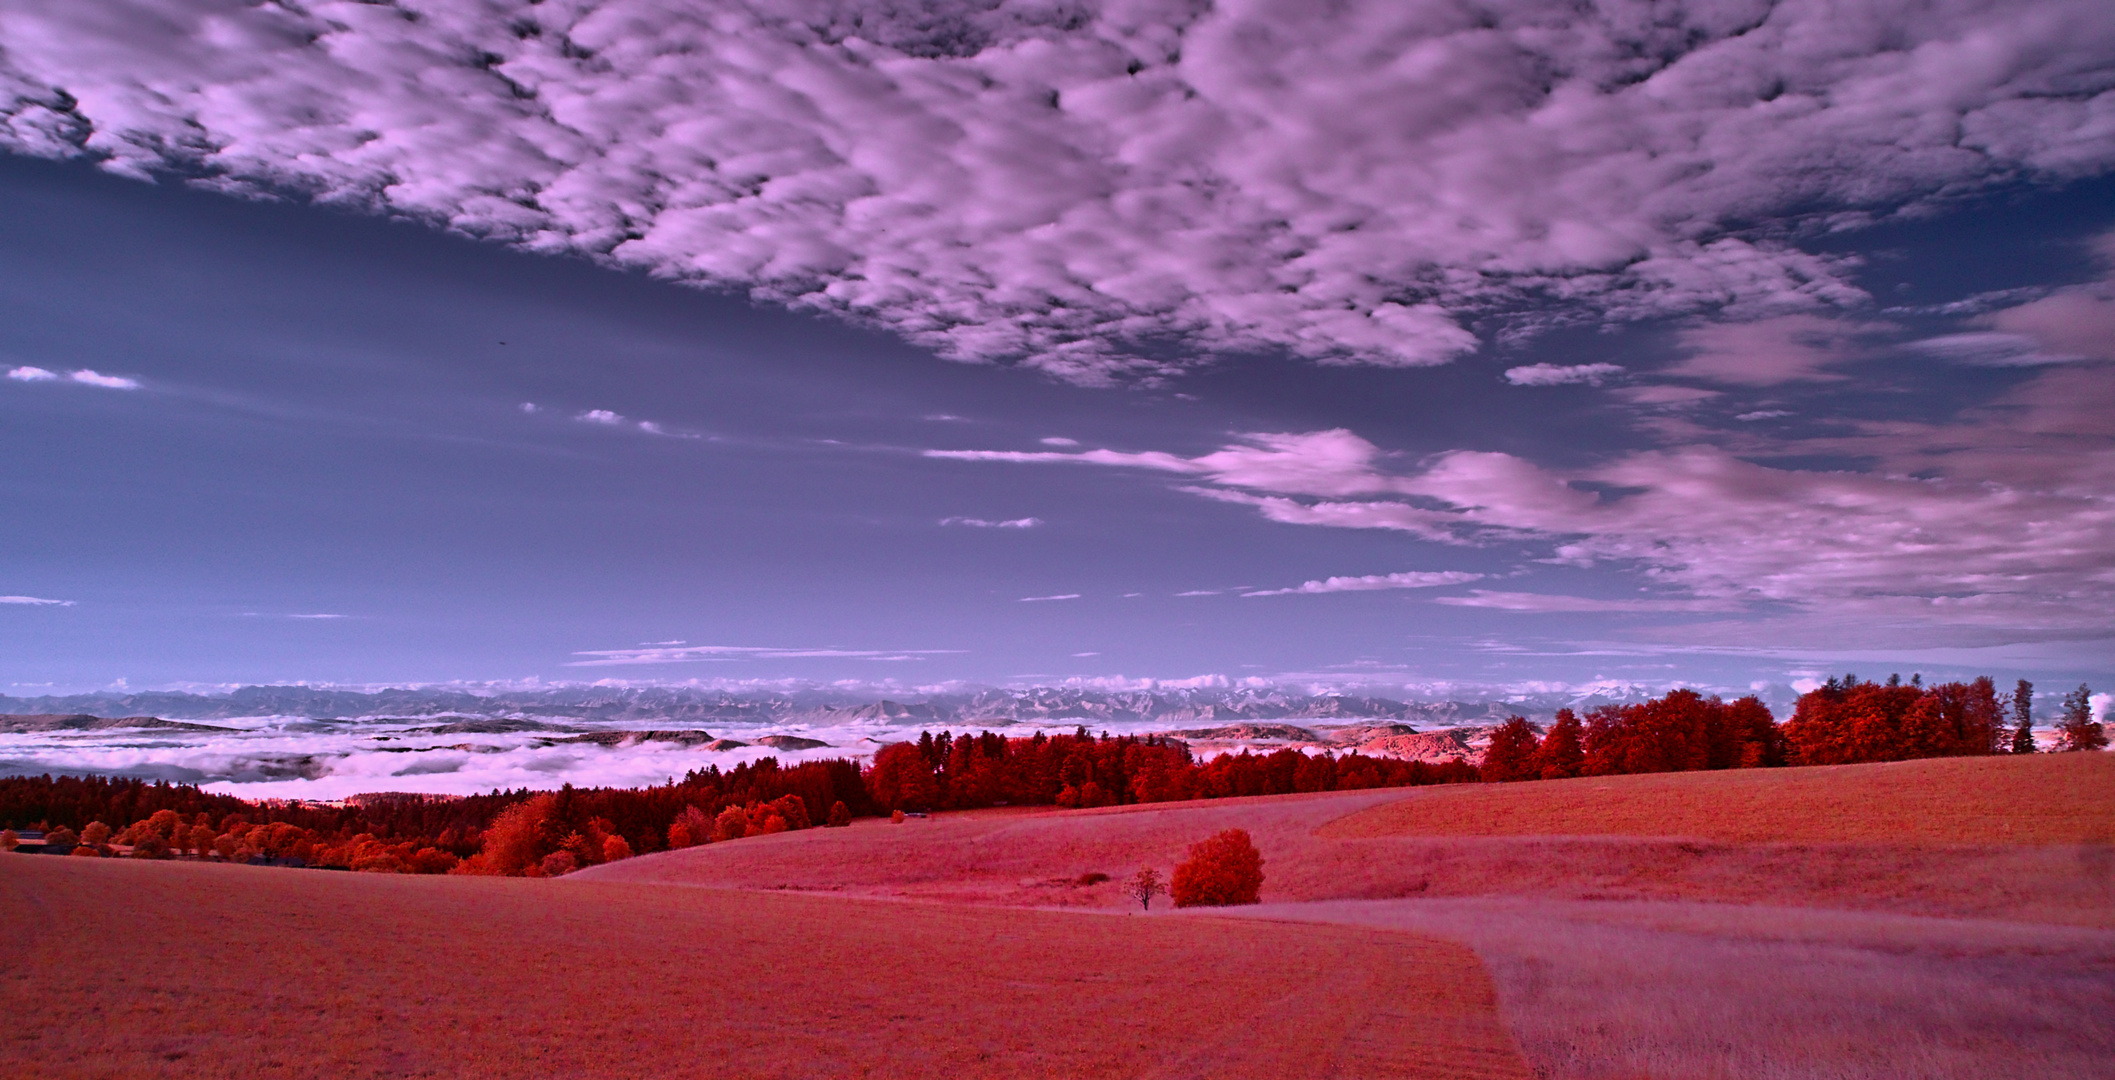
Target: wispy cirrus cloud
x,y
35,601
1412,579
1543,602
1057,596
1058,183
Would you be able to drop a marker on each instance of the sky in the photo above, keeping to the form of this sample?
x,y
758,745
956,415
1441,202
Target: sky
x,y
1414,345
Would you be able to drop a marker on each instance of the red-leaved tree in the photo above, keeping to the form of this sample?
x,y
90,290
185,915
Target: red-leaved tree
x,y
1221,871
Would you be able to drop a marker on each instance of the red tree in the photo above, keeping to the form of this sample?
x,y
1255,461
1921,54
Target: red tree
x,y
1511,755
1221,871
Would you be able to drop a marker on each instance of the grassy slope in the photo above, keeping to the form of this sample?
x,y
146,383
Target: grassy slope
x,y
111,968
2044,799
1831,837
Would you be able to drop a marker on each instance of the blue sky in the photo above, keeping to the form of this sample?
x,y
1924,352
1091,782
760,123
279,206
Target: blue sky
x,y
929,388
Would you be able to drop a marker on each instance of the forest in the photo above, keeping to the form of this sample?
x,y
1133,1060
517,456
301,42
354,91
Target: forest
x,y
538,834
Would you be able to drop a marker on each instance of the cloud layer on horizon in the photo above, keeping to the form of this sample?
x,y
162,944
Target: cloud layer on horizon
x,y
1074,184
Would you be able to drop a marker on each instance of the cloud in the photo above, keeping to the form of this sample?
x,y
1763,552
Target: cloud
x,y
1539,602
1063,183
36,601
727,653
600,416
2073,322
84,376
1666,397
1560,375
1994,524
318,615
1989,348
1791,348
980,523
1201,592
1413,579
91,377
1059,596
1761,414
1059,440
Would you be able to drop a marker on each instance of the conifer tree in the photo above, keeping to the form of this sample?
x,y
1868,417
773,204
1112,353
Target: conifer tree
x,y
2023,718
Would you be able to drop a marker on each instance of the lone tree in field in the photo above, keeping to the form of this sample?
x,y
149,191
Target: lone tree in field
x,y
2023,718
1144,886
2078,730
1222,871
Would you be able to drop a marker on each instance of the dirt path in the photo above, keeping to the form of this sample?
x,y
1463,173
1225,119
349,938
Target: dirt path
x,y
120,969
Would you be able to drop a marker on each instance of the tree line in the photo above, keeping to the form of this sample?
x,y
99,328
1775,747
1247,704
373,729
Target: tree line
x,y
526,833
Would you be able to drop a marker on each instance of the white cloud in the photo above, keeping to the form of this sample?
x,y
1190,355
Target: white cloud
x,y
529,407
1059,440
600,416
1559,375
1058,181
317,615
1761,414
37,601
84,376
1200,592
1413,579
91,377
1059,596
981,523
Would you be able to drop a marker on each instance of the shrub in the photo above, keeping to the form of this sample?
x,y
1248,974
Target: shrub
x,y
60,837
615,847
840,816
896,818
1221,871
150,846
9,841
559,864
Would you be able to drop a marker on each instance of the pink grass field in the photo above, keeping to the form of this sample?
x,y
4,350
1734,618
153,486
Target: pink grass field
x,y
1951,918
1679,926
114,968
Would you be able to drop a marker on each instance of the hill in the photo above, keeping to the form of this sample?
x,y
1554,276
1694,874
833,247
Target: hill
x,y
1912,837
233,971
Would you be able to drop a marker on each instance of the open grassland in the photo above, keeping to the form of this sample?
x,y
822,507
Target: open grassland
x,y
114,968
1352,845
2043,799
1876,922
1619,990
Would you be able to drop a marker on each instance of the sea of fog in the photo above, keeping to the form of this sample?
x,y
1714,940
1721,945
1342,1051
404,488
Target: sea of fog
x,y
285,757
